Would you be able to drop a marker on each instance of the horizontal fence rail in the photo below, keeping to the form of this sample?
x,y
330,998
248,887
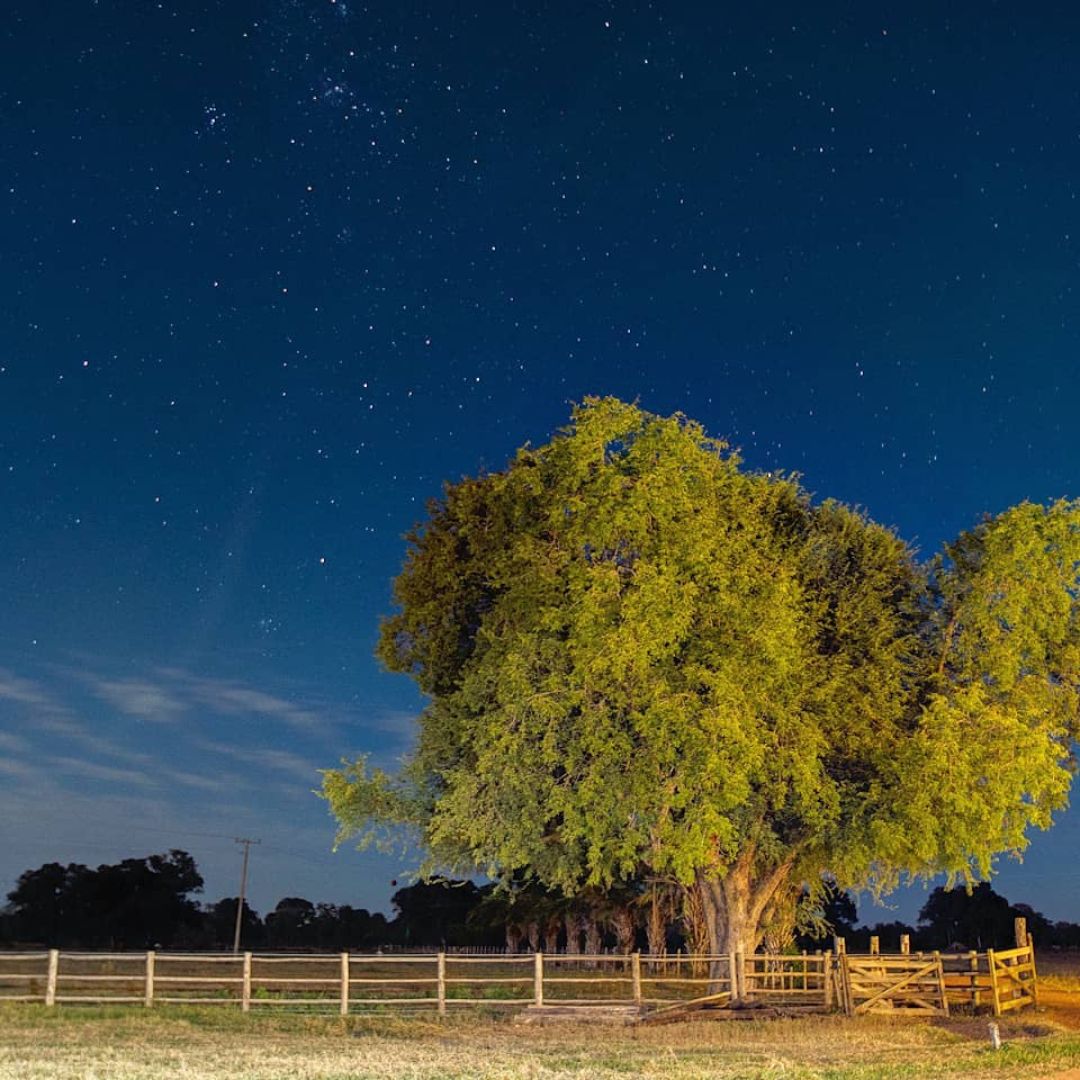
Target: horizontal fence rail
x,y
441,981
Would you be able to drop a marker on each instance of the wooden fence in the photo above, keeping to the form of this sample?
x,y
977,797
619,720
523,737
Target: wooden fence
x,y
354,982
906,984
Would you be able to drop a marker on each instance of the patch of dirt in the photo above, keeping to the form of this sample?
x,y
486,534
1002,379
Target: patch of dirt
x,y
1062,1007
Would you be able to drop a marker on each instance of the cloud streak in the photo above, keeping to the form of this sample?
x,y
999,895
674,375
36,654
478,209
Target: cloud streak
x,y
140,698
236,699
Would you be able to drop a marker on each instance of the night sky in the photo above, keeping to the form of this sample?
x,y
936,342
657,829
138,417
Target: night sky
x,y
274,271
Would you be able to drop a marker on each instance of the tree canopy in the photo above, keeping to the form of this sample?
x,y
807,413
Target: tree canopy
x,y
643,660
134,903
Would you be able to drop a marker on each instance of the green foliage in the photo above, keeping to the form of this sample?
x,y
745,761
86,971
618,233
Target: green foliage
x,y
642,659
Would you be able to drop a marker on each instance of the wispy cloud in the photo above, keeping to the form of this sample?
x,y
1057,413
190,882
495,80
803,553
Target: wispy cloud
x,y
236,699
280,760
41,707
140,698
94,771
15,688
20,770
13,744
218,783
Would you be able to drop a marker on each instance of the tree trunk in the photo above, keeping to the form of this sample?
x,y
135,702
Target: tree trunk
x,y
734,905
622,926
513,937
593,936
532,933
656,923
573,934
552,926
699,926
779,921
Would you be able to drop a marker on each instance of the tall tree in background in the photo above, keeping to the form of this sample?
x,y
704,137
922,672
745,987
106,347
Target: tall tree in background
x,y
136,903
643,661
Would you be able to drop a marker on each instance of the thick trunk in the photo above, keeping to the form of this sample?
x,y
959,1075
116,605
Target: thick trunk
x,y
735,905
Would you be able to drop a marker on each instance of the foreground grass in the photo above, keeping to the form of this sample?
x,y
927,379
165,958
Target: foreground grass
x,y
126,1043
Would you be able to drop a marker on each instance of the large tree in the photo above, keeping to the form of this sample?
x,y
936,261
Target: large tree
x,y
644,661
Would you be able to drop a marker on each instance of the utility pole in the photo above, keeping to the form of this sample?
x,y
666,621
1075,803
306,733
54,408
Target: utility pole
x,y
243,888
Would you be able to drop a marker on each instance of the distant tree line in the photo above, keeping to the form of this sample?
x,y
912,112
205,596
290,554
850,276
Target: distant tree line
x,y
149,903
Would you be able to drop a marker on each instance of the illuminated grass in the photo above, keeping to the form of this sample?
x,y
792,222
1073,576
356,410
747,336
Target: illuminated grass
x,y
124,1044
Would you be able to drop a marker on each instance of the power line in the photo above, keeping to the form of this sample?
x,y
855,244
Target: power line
x,y
243,887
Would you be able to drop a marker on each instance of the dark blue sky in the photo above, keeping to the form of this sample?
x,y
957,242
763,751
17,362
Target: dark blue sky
x,y
271,272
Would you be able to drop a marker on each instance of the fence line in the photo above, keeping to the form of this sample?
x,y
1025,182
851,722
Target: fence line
x,y
348,981
439,981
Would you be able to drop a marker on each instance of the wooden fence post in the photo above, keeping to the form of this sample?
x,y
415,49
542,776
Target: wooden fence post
x,y
245,994
995,996
50,979
941,983
148,990
1034,974
1020,930
875,945
538,978
442,983
827,976
973,964
905,944
635,974
344,984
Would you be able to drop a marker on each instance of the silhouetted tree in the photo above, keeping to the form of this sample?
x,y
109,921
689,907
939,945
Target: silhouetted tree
x,y
435,913
42,905
981,919
291,925
219,921
137,903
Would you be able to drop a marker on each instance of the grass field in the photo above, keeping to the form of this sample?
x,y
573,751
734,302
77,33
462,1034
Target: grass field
x,y
111,1043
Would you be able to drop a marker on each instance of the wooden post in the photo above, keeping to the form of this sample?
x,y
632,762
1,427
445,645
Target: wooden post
x,y
995,997
1020,930
941,983
538,978
841,976
905,944
635,975
442,983
826,971
50,979
148,991
245,994
1034,974
344,984
875,945
742,993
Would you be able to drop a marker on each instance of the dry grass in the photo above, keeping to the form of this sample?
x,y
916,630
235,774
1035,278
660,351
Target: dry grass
x,y
1059,971
125,1043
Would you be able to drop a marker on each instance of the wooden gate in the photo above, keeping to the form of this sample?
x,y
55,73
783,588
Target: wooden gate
x,y
900,985
1013,982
